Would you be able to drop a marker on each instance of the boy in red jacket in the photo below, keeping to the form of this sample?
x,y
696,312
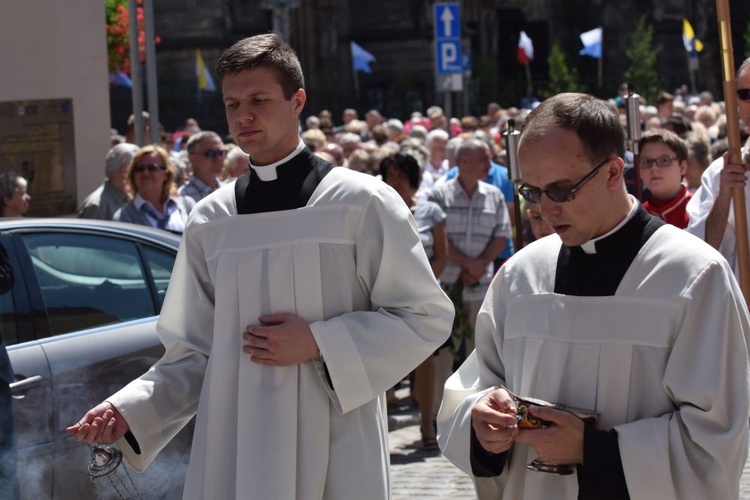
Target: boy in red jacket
x,y
662,165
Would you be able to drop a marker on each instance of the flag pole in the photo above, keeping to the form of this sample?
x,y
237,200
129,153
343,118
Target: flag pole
x,y
733,137
514,174
356,84
136,74
691,71
529,88
198,69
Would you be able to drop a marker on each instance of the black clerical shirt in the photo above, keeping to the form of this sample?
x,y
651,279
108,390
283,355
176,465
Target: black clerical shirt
x,y
582,274
295,183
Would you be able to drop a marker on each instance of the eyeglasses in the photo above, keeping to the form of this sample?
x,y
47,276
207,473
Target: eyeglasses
x,y
743,94
213,153
558,194
151,167
662,161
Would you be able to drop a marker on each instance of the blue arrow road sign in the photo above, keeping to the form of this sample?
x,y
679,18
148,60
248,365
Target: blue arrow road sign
x,y
448,53
447,20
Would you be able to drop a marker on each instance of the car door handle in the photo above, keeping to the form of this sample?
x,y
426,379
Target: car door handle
x,y
25,384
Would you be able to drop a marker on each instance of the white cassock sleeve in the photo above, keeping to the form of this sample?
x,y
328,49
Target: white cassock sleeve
x,y
162,401
368,352
698,450
481,373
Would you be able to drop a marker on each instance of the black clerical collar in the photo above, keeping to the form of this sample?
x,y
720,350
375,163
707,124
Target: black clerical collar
x,y
600,273
631,232
590,247
295,183
269,172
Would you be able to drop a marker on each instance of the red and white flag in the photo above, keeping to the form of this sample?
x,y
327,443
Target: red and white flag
x,y
525,49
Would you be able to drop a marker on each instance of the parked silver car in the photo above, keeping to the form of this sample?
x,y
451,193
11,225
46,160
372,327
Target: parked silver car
x,y
80,323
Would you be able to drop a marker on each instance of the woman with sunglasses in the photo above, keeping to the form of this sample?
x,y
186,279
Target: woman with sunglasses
x,y
150,184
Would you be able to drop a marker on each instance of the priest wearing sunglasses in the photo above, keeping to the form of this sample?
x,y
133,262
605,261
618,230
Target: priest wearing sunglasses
x,y
618,313
710,210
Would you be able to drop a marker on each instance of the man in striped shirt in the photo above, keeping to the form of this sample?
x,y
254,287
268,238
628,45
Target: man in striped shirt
x,y
478,227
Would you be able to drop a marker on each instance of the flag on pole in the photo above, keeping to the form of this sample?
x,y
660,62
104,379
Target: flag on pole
x,y
361,59
205,81
592,43
692,44
525,49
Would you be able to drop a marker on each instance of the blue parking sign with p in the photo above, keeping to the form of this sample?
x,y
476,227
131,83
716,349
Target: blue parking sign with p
x,y
447,17
449,56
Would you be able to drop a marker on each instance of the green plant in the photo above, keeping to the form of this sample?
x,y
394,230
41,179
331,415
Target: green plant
x,y
642,54
562,78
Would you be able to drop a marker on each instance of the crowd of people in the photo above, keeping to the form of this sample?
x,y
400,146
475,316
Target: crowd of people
x,y
451,176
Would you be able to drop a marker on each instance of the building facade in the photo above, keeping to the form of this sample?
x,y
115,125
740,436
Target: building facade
x,y
399,33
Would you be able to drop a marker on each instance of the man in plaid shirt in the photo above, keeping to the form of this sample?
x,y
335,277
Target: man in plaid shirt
x,y
478,226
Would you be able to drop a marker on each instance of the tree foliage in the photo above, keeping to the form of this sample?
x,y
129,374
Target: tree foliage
x,y
642,54
562,78
118,34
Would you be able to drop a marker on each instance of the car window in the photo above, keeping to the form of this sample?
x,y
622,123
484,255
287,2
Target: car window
x,y
160,263
88,281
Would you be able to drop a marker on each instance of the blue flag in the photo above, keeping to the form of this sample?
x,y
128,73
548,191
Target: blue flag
x,y
120,78
692,44
361,59
592,43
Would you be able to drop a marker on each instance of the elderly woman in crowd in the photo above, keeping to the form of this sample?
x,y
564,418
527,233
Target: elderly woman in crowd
x,y
402,173
14,200
150,183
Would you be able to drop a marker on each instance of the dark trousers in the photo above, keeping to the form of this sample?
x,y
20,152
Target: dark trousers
x,y
9,488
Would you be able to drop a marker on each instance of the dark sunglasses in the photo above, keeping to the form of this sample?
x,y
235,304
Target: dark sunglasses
x,y
151,167
213,153
558,194
743,94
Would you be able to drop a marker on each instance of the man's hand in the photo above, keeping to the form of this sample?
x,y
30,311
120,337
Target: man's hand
x,y
559,443
493,418
102,424
476,268
467,279
280,340
732,175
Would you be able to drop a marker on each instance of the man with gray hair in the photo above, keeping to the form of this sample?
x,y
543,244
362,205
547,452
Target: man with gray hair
x,y
478,227
238,163
437,141
206,155
111,195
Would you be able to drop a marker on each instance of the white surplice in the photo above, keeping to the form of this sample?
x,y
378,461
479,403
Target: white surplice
x,y
664,361
351,264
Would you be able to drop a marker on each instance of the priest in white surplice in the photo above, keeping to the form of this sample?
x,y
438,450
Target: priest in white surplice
x,y
616,313
300,293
